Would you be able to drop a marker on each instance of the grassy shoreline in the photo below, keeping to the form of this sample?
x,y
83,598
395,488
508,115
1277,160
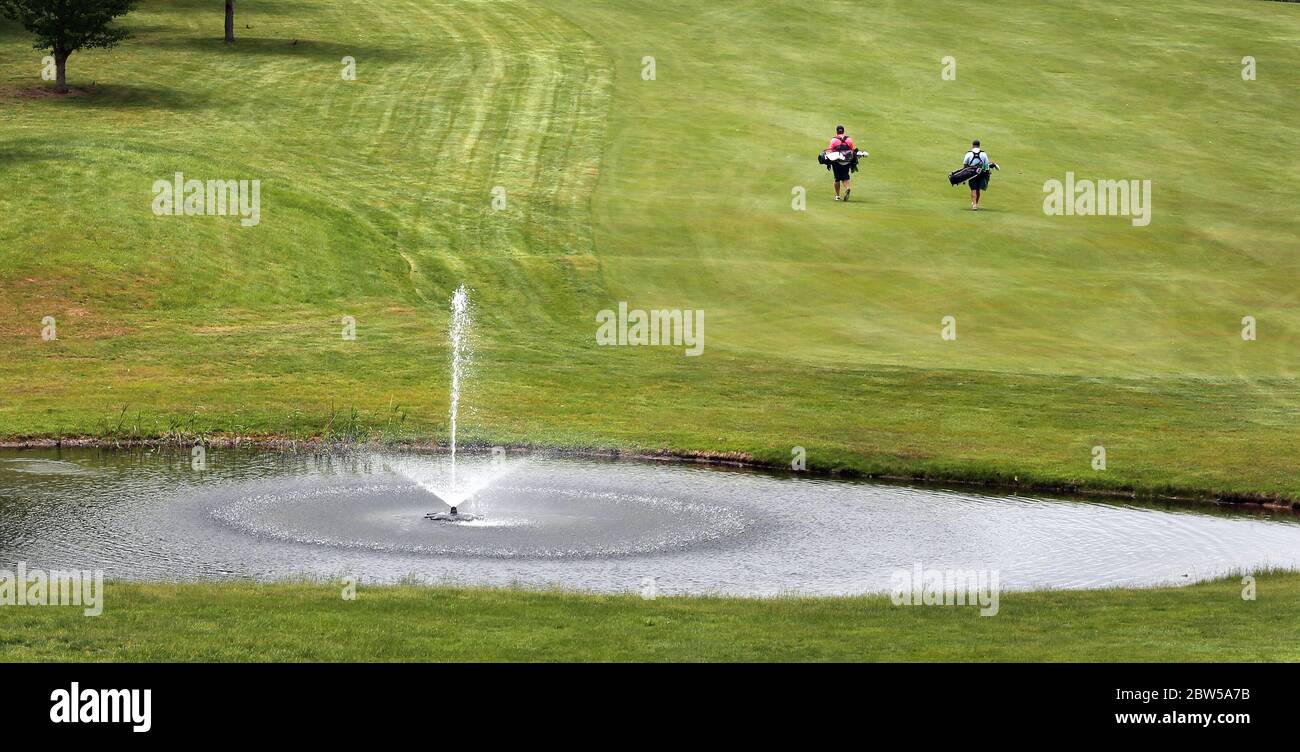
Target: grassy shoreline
x,y
242,621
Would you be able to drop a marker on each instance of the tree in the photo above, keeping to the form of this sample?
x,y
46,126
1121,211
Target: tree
x,y
230,21
65,26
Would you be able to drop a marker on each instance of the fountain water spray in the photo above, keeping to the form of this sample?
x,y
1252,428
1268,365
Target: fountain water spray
x,y
459,358
440,481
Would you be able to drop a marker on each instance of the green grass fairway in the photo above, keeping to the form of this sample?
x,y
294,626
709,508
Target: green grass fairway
x,y
822,326
297,622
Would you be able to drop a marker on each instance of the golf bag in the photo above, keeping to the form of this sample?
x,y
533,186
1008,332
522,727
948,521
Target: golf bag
x,y
851,157
970,172
957,177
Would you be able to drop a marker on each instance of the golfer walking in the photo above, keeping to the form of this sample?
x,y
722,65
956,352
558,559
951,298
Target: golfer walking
x,y
841,142
978,158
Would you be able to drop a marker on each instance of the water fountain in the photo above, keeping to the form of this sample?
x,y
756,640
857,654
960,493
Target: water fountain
x,y
448,488
459,360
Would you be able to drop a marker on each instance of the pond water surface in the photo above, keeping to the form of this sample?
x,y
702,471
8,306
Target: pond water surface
x,y
585,524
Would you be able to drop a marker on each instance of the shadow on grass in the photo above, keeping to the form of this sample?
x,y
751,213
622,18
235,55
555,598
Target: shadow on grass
x,y
24,151
281,46
112,96
12,31
244,15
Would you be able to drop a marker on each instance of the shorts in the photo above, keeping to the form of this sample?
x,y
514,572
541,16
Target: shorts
x,y
841,171
980,182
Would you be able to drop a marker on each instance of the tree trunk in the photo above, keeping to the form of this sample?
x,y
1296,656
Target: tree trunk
x,y
230,21
61,70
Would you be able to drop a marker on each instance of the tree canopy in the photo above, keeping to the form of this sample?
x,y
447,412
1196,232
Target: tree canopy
x,y
65,26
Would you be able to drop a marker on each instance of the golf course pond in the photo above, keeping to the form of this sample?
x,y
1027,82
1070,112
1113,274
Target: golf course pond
x,y
585,524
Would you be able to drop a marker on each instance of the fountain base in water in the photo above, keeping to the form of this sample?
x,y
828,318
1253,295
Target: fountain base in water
x,y
452,516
